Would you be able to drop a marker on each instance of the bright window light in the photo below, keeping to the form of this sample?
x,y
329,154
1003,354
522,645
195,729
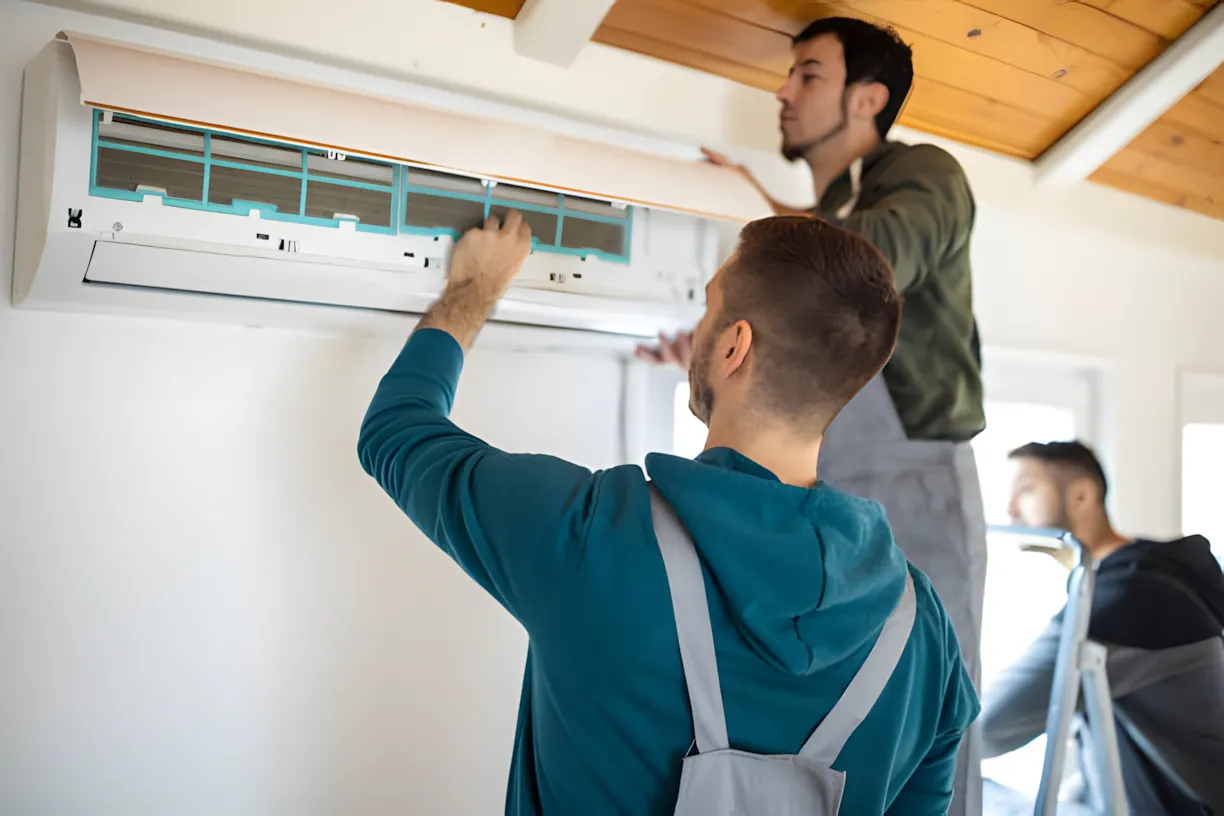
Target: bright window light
x,y
1023,589
688,432
1202,475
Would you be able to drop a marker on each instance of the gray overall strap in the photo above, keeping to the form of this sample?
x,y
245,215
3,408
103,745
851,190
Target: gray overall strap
x,y
830,736
692,613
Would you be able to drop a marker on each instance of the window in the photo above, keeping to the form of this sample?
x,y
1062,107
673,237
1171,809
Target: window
x,y
221,172
688,432
1202,458
1202,409
1025,402
1008,426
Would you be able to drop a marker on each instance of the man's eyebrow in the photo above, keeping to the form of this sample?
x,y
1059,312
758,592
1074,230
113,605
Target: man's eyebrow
x,y
810,61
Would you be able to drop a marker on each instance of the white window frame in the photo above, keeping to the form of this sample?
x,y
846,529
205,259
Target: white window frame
x,y
1083,384
650,409
1200,399
1067,382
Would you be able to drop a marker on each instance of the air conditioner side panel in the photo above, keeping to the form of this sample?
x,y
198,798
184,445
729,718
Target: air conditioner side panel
x,y
36,165
51,254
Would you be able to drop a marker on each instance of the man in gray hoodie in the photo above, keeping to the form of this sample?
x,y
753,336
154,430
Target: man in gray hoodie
x,y
1159,608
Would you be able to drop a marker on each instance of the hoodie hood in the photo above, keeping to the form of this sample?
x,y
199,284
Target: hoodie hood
x,y
806,575
1159,594
1188,561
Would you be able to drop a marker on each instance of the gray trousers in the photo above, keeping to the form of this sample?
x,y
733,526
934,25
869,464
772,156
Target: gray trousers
x,y
931,495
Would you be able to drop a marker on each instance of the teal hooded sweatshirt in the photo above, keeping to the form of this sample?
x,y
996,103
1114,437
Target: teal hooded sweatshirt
x,y
799,581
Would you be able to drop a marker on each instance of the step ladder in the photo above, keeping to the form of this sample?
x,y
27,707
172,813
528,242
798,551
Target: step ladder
x,y
1080,665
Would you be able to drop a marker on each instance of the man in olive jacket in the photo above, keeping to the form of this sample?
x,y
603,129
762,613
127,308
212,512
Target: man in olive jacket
x,y
904,440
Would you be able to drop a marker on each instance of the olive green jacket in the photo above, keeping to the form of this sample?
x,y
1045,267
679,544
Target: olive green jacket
x,y
916,207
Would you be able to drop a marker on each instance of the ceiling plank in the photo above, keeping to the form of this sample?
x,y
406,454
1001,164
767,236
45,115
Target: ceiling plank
x,y
1181,146
993,36
965,117
689,57
1168,18
1197,112
502,8
697,28
985,76
1212,88
1197,181
1125,182
1113,38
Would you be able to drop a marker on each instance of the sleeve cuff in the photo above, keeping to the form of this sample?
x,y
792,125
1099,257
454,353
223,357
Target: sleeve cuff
x,y
431,351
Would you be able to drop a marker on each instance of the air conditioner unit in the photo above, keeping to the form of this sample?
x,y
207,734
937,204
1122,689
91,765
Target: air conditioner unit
x,y
159,183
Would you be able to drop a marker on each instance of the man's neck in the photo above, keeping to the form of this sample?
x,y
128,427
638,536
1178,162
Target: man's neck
x,y
1100,538
790,458
829,160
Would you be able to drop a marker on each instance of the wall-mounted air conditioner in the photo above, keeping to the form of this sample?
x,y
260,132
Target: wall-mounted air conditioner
x,y
157,183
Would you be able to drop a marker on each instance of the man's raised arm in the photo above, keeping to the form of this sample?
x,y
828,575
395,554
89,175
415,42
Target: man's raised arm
x,y
515,523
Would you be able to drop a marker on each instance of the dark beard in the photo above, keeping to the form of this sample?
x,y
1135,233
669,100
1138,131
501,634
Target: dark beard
x,y
701,397
793,153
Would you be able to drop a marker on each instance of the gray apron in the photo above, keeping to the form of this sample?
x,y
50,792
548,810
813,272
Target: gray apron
x,y
931,495
720,781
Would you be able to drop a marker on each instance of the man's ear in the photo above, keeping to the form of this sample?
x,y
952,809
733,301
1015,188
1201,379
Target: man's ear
x,y
1081,493
868,99
733,346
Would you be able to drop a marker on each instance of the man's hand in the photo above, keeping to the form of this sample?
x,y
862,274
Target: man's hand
x,y
482,266
719,160
1061,553
677,352
716,158
487,258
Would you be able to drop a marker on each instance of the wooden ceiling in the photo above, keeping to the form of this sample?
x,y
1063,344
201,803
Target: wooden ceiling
x,y
1010,76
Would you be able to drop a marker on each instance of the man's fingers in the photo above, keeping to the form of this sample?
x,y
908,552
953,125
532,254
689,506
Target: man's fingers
x,y
492,223
685,341
514,220
667,351
650,355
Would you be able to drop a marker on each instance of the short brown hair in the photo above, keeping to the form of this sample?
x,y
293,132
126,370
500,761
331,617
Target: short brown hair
x,y
1075,458
824,310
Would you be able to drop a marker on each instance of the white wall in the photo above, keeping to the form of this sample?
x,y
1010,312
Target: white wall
x,y
206,607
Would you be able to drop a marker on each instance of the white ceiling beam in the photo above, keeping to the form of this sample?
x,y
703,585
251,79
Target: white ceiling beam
x,y
555,31
1134,106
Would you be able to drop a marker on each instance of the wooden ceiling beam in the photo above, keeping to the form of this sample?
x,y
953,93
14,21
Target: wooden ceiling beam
x,y
555,31
1138,104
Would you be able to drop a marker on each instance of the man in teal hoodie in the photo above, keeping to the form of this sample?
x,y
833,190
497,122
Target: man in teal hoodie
x,y
800,577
